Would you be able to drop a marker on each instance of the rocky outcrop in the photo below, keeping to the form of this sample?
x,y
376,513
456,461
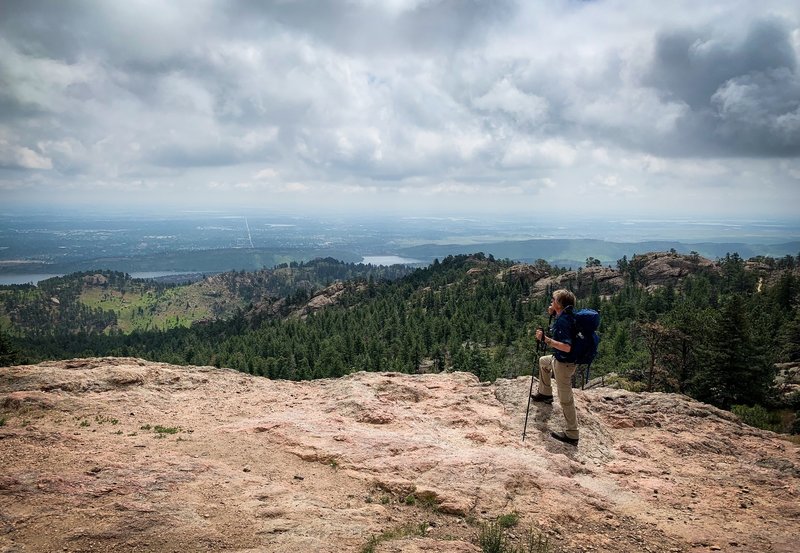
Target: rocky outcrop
x,y
123,454
664,268
787,379
522,272
331,295
608,281
95,280
653,270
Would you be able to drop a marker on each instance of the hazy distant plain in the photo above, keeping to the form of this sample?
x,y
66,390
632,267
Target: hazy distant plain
x,y
33,244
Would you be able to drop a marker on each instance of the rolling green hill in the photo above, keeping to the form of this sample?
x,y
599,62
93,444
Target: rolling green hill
x,y
109,301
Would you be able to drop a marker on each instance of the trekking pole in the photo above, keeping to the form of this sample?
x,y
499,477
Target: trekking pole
x,y
539,347
528,408
530,392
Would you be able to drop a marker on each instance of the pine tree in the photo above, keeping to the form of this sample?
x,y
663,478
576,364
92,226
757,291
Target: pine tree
x,y
8,355
733,372
790,338
330,362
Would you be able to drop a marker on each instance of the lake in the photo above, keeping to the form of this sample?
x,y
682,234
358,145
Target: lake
x,y
36,278
388,260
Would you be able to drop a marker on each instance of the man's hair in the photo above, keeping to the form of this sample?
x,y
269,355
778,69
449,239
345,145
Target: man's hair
x,y
564,297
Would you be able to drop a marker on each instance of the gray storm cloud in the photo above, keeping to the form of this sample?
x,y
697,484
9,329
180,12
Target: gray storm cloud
x,y
743,92
446,96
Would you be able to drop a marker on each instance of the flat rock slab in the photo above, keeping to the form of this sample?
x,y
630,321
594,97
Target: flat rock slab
x,y
120,454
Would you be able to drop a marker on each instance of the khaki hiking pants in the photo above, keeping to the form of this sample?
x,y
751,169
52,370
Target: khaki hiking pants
x,y
563,373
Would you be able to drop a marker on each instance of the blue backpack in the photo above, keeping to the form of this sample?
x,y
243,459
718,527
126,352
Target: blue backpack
x,y
585,338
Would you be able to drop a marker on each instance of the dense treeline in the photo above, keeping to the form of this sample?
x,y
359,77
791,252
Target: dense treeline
x,y
56,305
306,277
717,337
431,320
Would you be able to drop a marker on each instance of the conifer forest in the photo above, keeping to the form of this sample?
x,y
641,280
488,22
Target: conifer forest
x,y
718,336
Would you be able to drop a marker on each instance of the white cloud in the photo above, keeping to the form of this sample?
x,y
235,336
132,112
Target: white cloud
x,y
266,174
22,157
628,109
547,152
296,187
613,185
506,97
382,99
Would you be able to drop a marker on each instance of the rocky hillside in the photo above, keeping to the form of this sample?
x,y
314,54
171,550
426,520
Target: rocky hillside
x,y
97,302
119,454
106,301
650,270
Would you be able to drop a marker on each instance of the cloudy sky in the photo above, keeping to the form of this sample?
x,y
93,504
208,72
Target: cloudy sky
x,y
679,108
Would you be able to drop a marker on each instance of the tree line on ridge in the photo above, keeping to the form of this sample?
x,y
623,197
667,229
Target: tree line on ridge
x,y
716,337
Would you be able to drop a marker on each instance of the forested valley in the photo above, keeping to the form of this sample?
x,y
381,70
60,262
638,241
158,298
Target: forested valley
x,y
719,331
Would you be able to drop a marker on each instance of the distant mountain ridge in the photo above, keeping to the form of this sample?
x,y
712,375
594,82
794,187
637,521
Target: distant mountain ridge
x,y
573,253
190,261
566,252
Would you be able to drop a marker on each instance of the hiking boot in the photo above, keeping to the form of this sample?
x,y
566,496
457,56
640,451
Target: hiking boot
x,y
561,437
542,398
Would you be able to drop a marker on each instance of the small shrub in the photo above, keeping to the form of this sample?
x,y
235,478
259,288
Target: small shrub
x,y
429,502
370,546
395,533
508,521
424,500
85,423
2,421
757,416
165,429
492,538
535,543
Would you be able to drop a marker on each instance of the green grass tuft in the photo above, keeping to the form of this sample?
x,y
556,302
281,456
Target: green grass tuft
x,y
508,521
394,534
493,539
165,429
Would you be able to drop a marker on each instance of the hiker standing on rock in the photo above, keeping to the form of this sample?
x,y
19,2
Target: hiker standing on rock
x,y
560,363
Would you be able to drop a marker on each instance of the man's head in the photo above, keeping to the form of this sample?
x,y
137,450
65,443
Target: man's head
x,y
562,299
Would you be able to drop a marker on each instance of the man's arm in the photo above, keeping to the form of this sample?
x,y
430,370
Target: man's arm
x,y
560,346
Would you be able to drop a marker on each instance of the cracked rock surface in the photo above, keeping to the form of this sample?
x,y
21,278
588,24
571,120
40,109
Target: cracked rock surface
x,y
120,454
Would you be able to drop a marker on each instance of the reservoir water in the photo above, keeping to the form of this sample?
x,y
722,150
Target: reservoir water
x,y
31,278
36,278
388,260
